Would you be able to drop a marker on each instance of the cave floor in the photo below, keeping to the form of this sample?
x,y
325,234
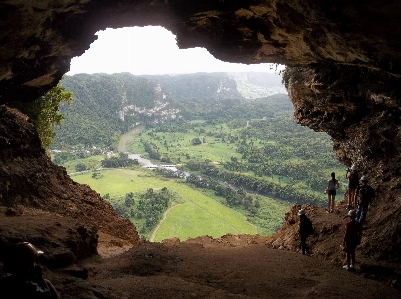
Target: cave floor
x,y
230,267
210,270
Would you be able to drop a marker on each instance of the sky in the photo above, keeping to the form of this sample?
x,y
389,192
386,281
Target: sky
x,y
151,50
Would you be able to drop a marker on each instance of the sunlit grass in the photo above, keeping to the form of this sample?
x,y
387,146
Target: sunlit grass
x,y
197,214
118,182
191,220
93,162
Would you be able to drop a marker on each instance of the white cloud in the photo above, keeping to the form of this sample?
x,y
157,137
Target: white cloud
x,y
150,50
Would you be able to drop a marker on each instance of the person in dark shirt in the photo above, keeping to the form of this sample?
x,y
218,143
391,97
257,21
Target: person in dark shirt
x,y
23,276
352,238
305,229
353,182
365,195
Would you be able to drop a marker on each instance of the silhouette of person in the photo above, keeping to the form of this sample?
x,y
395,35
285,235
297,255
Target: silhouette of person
x,y
305,229
352,238
365,195
23,276
353,182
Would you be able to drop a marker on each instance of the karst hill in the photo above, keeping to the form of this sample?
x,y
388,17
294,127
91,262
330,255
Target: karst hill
x,y
344,78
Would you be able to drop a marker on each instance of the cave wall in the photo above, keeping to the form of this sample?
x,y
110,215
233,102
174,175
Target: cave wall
x,y
29,178
359,109
344,75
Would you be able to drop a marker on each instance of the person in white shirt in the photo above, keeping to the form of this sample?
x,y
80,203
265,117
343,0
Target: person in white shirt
x,y
332,186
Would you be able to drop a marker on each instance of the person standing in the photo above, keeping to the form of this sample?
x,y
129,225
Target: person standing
x,y
353,182
332,186
365,195
352,238
305,229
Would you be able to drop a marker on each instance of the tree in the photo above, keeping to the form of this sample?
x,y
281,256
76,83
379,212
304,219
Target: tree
x,y
129,199
80,167
44,113
196,141
97,175
121,161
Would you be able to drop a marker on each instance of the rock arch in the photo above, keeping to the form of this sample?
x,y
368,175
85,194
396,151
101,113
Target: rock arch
x,y
344,77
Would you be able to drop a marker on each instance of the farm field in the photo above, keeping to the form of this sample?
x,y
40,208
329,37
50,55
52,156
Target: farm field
x,y
196,215
199,214
270,214
273,151
177,147
91,163
118,182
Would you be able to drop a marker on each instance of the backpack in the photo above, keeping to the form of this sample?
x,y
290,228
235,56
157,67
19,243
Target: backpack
x,y
366,194
354,232
311,228
12,287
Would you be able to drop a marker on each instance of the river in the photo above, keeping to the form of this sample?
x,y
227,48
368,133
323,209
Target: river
x,y
142,161
122,147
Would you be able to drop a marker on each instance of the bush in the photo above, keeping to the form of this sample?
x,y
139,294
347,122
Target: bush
x,y
196,141
80,167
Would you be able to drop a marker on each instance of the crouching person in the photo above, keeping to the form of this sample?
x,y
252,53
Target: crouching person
x,y
23,277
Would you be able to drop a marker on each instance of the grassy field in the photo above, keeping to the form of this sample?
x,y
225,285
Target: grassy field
x,y
270,215
202,215
178,146
197,214
93,162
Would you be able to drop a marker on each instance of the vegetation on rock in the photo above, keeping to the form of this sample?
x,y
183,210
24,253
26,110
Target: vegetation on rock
x,y
44,113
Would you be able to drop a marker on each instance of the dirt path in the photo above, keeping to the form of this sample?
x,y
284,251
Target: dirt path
x,y
152,238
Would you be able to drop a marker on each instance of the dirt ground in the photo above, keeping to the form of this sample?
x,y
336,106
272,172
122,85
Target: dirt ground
x,y
207,269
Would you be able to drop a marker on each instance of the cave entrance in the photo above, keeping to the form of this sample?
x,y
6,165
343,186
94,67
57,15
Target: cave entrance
x,y
239,138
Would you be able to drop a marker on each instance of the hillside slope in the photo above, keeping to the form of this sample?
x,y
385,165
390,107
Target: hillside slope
x,y
63,205
104,106
258,85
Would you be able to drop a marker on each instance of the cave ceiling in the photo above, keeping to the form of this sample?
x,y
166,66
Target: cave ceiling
x,y
39,38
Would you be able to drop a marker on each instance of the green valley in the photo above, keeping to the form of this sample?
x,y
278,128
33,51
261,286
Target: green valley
x,y
194,213
241,161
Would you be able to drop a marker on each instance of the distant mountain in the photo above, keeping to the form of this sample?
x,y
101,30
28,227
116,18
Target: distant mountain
x,y
258,85
200,92
104,106
201,86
